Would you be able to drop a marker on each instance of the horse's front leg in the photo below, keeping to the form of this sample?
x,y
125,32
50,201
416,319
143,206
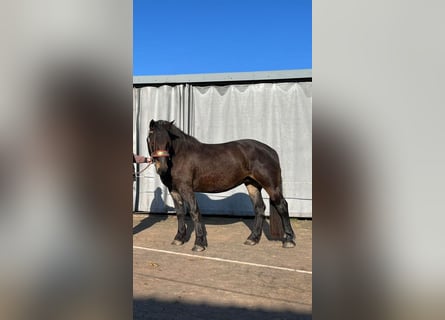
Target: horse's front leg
x,y
180,237
200,232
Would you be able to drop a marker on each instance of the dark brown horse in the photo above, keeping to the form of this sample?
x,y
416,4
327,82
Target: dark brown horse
x,y
186,165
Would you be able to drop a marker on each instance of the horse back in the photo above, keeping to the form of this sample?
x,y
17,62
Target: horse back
x,y
240,153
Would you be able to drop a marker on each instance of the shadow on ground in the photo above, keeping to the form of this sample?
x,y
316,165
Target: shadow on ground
x,y
165,310
149,221
209,219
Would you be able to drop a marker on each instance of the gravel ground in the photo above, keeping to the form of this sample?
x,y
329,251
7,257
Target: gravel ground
x,y
229,281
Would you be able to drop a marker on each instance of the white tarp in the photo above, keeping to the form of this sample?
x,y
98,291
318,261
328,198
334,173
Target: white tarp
x,y
278,114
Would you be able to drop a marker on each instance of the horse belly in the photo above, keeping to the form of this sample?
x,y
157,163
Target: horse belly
x,y
218,180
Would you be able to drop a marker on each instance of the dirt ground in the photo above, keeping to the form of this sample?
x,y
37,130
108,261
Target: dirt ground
x,y
229,280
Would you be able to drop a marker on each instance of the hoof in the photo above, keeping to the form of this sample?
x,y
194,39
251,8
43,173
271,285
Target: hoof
x,y
250,242
289,244
198,248
177,242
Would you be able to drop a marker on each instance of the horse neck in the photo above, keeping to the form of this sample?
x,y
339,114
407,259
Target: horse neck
x,y
184,143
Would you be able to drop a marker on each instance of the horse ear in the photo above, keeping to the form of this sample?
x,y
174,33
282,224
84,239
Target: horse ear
x,y
172,130
169,124
152,124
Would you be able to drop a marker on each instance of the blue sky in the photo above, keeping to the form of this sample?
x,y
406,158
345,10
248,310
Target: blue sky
x,y
199,36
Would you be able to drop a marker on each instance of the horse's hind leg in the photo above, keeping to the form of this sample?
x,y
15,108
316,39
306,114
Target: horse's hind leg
x,y
200,233
280,204
180,214
259,207
277,200
275,191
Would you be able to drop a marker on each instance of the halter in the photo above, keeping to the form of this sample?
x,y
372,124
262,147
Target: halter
x,y
160,154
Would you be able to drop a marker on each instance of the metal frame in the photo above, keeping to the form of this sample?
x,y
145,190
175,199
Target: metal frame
x,y
258,76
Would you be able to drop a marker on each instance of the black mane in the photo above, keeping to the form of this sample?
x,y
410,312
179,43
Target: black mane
x,y
177,133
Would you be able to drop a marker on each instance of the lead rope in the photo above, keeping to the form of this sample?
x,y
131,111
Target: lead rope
x,y
149,162
138,174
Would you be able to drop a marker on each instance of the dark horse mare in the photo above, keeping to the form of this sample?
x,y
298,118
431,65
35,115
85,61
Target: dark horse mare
x,y
186,165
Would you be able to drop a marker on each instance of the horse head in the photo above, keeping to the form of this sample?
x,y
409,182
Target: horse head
x,y
159,144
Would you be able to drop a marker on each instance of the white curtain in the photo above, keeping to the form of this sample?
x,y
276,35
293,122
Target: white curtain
x,y
166,103
278,114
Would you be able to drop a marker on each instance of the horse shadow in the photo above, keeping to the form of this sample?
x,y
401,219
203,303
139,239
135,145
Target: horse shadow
x,y
229,210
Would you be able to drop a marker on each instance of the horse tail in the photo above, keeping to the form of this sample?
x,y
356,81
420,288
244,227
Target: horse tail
x,y
275,219
276,225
